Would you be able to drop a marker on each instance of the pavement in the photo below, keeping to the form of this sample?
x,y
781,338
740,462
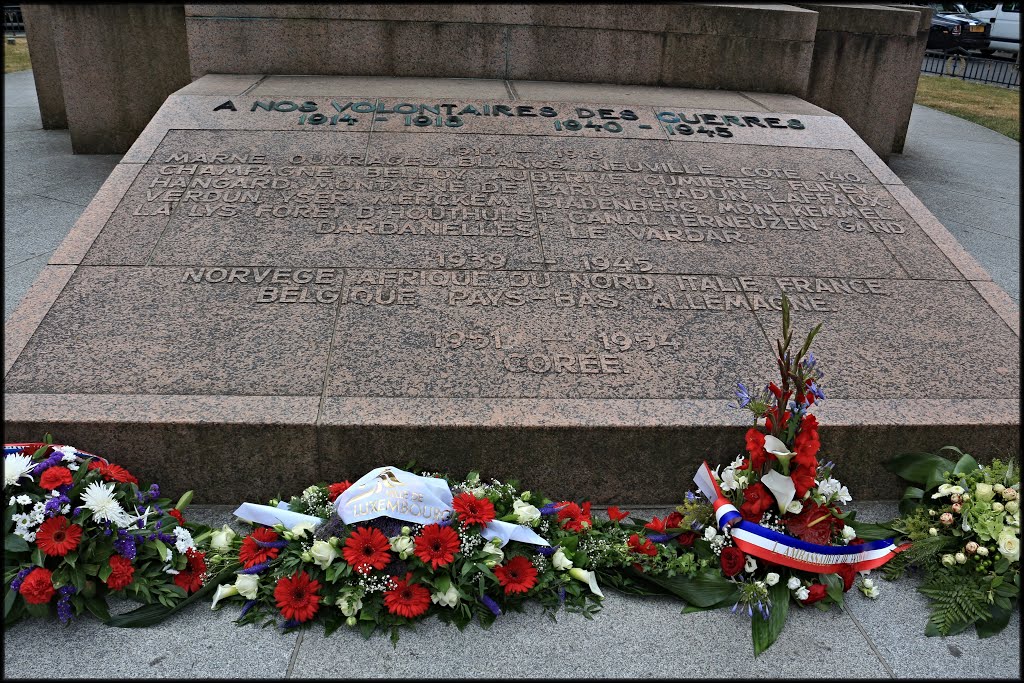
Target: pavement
x,y
968,176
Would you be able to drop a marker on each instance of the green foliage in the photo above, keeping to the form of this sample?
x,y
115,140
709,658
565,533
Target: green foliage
x,y
957,601
766,631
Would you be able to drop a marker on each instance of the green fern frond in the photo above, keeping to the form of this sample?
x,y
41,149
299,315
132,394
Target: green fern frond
x,y
956,600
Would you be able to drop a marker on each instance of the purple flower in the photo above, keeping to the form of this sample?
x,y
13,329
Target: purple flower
x,y
742,396
491,605
290,623
48,463
249,604
547,551
660,538
255,569
550,508
16,584
269,544
64,603
561,594
125,545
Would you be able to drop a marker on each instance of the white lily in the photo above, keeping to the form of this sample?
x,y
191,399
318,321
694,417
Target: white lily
x,y
779,450
587,577
782,488
225,590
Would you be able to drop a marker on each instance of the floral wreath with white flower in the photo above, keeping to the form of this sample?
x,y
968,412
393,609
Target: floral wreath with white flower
x,y
79,528
964,521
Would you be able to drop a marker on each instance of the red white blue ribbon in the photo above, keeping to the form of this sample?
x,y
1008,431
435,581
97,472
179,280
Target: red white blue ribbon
x,y
772,546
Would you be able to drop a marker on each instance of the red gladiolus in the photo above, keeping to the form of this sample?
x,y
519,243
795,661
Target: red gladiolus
x,y
757,500
806,444
112,472
297,598
656,525
37,588
815,593
517,575
755,447
57,536
367,548
642,548
177,515
55,476
190,579
616,515
121,574
575,518
407,599
436,545
335,490
733,560
473,510
251,554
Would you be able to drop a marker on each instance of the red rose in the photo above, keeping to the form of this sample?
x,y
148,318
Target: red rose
x,y
122,573
54,477
848,574
335,490
686,539
815,593
733,561
673,521
757,500
37,588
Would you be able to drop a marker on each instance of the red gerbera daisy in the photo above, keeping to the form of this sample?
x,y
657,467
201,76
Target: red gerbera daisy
x,y
335,490
112,472
366,548
575,518
57,536
518,575
121,573
251,553
54,477
407,599
436,545
190,579
473,510
297,597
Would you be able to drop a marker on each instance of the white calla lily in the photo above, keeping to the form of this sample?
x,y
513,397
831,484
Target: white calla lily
x,y
225,590
782,488
780,450
587,577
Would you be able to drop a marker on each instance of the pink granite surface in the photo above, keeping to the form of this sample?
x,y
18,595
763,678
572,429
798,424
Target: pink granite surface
x,y
498,294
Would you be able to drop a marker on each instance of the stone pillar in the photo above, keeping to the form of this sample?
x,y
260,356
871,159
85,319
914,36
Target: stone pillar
x,y
118,63
45,69
865,68
905,107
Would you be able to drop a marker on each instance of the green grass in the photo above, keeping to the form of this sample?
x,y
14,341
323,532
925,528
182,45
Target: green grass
x,y
987,105
16,56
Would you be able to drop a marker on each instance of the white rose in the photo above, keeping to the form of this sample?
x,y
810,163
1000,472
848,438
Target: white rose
x,y
983,551
248,585
772,578
496,554
872,592
795,507
848,533
323,553
868,583
560,561
524,512
449,598
221,540
984,492
793,583
300,529
750,565
709,533
405,546
802,593
350,602
960,558
1012,507
1009,546
933,531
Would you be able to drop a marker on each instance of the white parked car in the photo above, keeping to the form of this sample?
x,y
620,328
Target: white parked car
x,y
1005,20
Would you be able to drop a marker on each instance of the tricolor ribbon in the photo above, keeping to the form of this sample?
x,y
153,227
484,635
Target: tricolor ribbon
x,y
765,544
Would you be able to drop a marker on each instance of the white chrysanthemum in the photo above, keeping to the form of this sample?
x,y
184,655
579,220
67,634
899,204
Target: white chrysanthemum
x,y
16,466
69,453
183,540
99,499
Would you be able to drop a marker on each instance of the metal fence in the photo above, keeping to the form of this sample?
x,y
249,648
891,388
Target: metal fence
x,y
976,69
13,23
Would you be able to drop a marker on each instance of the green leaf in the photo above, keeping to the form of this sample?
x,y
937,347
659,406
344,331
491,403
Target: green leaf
x,y
104,572
38,558
911,500
9,601
766,631
147,615
872,532
925,469
965,465
98,606
833,586
996,623
161,549
707,588
15,544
